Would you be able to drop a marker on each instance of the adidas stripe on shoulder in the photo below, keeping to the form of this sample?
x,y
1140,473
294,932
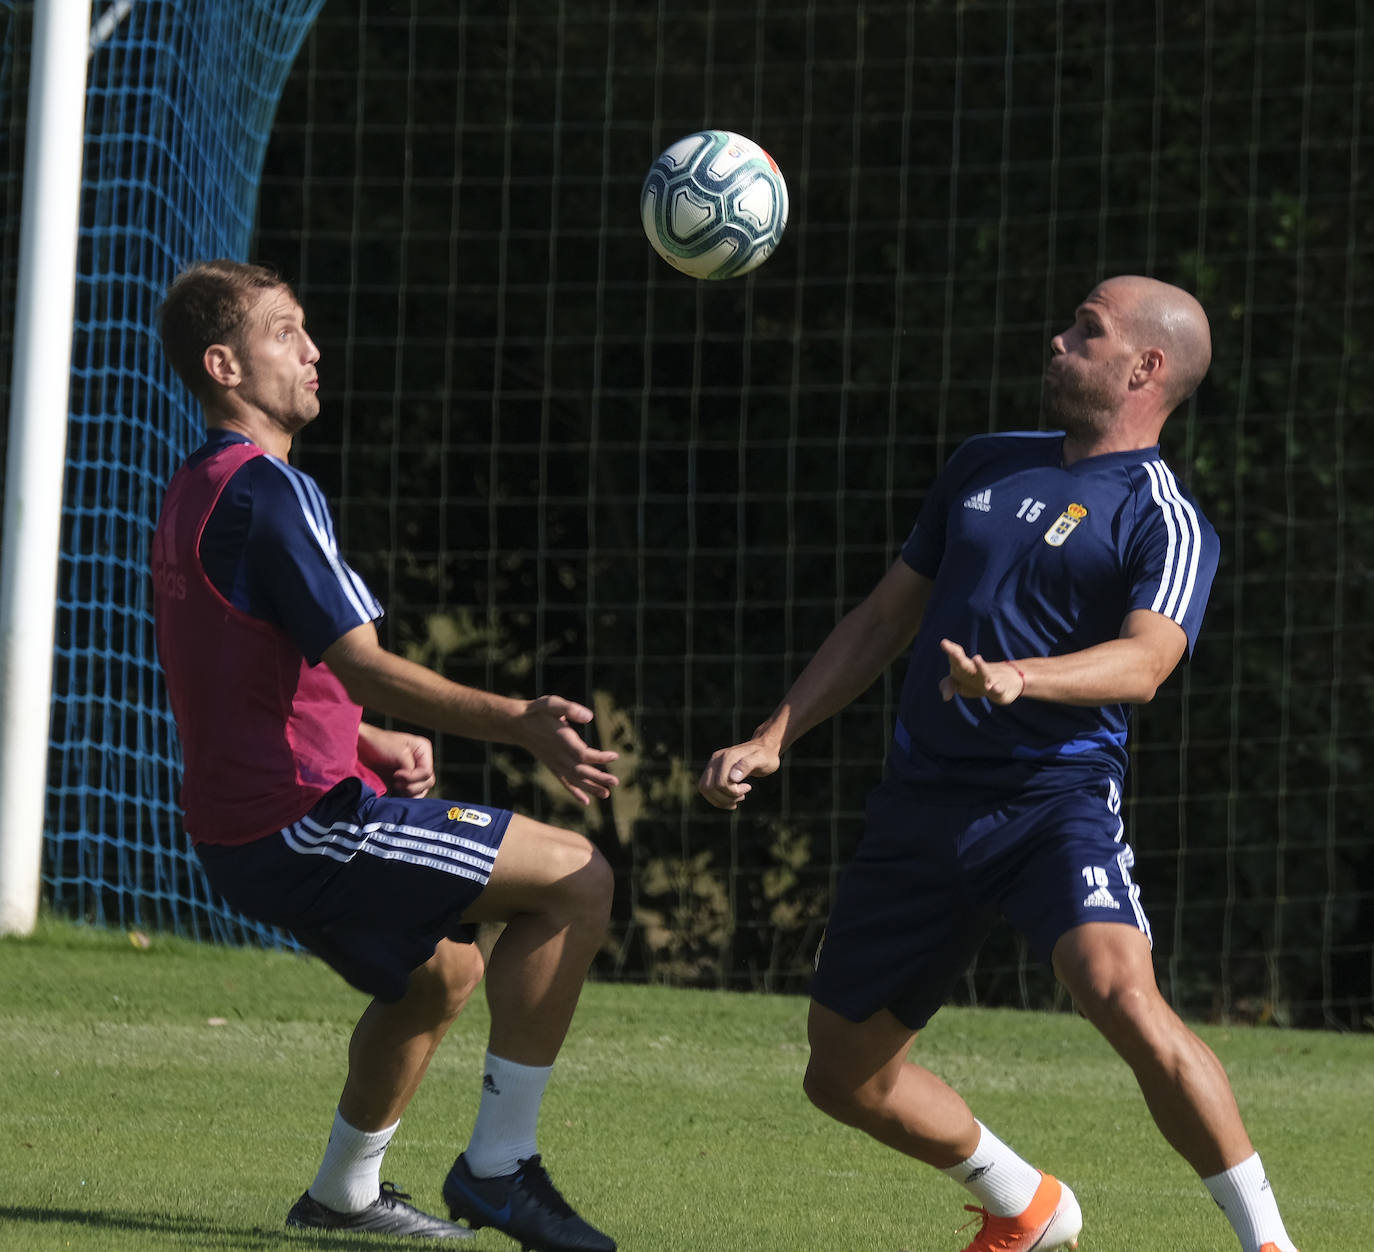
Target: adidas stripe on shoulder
x,y
1184,543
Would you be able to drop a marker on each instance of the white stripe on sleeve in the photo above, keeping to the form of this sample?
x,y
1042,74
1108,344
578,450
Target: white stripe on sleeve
x,y
317,519
1188,518
1184,543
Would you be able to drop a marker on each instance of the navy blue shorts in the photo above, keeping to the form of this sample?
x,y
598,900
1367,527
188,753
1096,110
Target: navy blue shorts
x,y
929,881
368,883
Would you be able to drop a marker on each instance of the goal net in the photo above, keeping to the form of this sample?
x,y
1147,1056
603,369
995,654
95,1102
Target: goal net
x,y
565,467
179,107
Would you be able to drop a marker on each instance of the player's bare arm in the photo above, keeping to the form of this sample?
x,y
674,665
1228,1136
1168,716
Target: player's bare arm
x,y
1126,670
862,645
545,727
404,761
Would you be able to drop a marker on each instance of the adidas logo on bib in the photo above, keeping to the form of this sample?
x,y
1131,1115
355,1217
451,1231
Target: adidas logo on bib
x,y
980,500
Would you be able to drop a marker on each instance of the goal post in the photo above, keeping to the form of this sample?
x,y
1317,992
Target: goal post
x,y
37,442
179,102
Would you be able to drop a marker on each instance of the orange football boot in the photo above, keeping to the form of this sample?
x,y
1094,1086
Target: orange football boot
x,y
1051,1220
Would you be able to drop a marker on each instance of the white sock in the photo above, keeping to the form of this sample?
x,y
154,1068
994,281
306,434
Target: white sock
x,y
504,1133
1242,1193
349,1177
1000,1180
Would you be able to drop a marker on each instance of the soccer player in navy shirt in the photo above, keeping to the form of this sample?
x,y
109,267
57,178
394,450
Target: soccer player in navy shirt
x,y
1052,580
307,817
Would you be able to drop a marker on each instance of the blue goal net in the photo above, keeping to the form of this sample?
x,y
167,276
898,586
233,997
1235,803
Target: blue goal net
x,y
180,103
564,466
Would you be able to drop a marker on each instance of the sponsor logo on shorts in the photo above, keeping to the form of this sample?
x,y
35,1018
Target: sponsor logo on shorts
x,y
474,817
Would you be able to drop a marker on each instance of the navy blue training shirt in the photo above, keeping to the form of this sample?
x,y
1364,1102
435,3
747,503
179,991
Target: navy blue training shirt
x,y
269,549
1030,557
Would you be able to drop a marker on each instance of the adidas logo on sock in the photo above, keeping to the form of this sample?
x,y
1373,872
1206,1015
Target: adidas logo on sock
x,y
489,1084
1101,899
980,500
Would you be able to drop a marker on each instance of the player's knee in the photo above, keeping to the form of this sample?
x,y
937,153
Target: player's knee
x,y
1111,978
587,882
594,881
819,1089
462,976
602,881
445,983
835,1096
1134,1019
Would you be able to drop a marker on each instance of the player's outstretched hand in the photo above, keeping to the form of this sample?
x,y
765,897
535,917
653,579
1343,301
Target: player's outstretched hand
x,y
723,783
550,733
976,679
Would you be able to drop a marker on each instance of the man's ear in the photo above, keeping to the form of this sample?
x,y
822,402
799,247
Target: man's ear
x,y
222,364
1148,367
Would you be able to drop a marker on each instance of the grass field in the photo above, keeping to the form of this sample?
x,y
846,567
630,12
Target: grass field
x,y
675,1119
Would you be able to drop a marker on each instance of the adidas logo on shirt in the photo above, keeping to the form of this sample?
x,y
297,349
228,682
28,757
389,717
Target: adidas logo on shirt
x,y
1101,899
980,500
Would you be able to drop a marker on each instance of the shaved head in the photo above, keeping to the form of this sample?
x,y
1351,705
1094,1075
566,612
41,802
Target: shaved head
x,y
1152,314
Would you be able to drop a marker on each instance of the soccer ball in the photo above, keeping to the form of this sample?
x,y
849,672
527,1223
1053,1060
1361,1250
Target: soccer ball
x,y
714,204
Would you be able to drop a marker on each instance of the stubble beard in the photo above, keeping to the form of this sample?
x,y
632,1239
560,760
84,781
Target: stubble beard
x,y
301,413
1080,410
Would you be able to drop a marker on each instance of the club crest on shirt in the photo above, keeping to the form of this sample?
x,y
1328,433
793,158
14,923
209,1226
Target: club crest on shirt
x,y
1064,524
474,817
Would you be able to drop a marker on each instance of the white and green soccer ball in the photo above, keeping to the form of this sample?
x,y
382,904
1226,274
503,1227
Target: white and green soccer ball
x,y
714,204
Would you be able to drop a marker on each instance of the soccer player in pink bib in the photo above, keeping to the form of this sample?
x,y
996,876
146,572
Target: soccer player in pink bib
x,y
308,818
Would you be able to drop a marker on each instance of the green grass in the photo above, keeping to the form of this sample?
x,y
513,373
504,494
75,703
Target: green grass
x,y
675,1119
